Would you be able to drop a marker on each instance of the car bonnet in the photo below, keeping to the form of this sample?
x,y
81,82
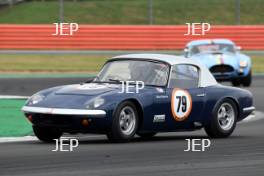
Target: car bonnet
x,y
90,89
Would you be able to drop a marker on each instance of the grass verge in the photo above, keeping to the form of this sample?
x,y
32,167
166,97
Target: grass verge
x,y
51,63
69,64
258,64
13,123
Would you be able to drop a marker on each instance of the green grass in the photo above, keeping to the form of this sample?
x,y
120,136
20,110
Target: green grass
x,y
258,64
51,63
134,12
69,64
13,123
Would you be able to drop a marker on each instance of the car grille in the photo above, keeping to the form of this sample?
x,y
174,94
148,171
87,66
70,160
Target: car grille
x,y
52,120
221,69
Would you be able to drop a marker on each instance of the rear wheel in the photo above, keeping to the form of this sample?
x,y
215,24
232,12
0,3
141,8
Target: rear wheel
x,y
125,123
46,134
246,81
224,118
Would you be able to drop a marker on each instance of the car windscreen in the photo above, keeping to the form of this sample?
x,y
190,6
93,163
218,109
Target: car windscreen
x,y
149,72
212,48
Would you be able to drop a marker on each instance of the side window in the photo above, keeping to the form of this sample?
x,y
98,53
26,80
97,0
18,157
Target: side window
x,y
184,76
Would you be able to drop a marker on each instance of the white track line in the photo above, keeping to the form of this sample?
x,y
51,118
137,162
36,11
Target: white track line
x,y
17,139
13,97
33,138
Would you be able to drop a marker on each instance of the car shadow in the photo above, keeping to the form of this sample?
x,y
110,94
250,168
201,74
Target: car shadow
x,y
103,139
155,139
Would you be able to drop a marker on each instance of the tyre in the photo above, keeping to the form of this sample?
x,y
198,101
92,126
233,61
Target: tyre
x,y
124,124
146,135
223,121
236,82
46,134
246,81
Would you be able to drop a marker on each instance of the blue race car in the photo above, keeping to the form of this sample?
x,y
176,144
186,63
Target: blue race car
x,y
223,58
178,95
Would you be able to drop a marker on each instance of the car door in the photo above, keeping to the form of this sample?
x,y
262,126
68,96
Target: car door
x,y
186,98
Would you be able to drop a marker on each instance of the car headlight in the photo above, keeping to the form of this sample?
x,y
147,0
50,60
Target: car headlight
x,y
35,99
97,102
243,63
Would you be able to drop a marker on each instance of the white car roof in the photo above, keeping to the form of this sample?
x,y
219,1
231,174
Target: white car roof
x,y
206,78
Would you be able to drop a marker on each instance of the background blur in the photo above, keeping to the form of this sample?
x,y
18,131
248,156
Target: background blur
x,y
132,11
27,46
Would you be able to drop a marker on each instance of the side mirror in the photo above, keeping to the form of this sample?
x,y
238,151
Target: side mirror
x,y
238,48
186,52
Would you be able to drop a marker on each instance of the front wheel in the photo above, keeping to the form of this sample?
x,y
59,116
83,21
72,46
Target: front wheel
x,y
124,124
246,81
46,134
223,122
236,82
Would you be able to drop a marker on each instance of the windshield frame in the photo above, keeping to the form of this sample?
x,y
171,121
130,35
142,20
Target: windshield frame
x,y
210,52
135,59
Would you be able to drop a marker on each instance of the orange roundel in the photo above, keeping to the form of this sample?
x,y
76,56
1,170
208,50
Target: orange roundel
x,y
181,104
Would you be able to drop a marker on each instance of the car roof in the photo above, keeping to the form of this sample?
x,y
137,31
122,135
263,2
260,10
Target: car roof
x,y
210,41
206,78
170,59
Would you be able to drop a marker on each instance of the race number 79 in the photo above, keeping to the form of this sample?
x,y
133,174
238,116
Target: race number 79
x,y
181,104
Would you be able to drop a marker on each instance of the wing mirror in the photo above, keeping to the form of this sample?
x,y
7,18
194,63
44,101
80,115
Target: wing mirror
x,y
186,52
238,48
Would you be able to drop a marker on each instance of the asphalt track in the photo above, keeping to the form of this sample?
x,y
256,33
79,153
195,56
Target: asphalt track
x,y
241,154
29,86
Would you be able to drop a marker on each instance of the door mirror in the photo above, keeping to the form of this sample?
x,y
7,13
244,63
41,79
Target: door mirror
x,y
186,52
238,48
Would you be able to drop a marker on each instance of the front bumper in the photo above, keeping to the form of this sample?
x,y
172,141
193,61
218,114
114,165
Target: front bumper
x,y
228,72
62,111
228,75
68,120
